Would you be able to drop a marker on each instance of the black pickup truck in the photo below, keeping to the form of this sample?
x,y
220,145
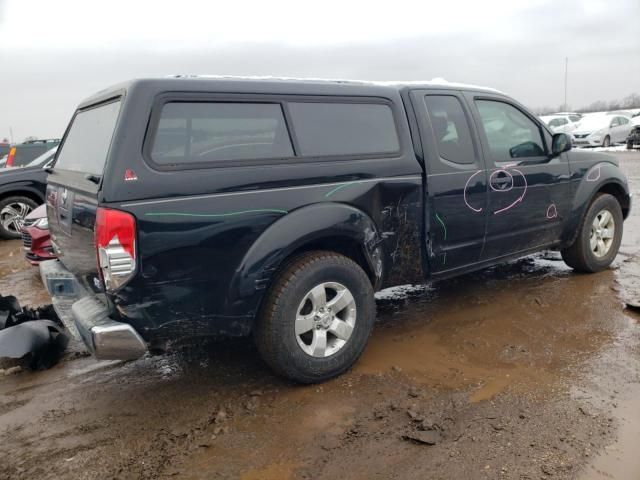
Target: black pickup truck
x,y
185,207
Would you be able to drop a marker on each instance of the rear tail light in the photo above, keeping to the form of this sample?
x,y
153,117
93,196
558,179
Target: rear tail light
x,y
115,235
10,158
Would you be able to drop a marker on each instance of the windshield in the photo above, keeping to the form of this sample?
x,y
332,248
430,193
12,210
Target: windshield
x,y
87,143
44,158
557,122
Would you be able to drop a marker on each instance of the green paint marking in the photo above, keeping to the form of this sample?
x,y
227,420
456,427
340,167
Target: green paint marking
x,y
215,215
443,225
338,188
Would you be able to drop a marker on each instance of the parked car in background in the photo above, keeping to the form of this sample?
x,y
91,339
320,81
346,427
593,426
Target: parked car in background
x,y
24,153
574,116
4,149
184,207
22,190
633,140
35,236
624,113
561,123
601,130
4,153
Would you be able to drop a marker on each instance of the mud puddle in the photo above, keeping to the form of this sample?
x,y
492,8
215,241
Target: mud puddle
x,y
620,460
506,328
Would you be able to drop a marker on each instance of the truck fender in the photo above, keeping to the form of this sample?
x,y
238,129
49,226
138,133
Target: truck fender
x,y
20,189
597,177
291,233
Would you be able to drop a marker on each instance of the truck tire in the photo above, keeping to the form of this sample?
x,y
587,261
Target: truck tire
x,y
316,318
599,236
13,210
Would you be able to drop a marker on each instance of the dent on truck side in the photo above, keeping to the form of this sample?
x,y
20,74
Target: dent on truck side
x,y
592,173
306,225
390,247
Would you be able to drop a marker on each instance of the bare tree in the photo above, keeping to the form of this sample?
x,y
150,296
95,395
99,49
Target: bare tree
x,y
630,101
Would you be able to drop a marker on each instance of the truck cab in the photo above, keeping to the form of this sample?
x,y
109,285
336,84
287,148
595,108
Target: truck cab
x,y
184,207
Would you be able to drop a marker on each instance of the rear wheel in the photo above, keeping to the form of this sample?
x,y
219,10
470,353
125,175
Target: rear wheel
x,y
317,317
13,211
599,237
607,141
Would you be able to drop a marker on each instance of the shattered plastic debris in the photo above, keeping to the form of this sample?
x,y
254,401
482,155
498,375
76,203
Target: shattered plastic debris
x,y
34,334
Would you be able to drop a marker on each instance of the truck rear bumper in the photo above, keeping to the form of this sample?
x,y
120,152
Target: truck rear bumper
x,y
86,316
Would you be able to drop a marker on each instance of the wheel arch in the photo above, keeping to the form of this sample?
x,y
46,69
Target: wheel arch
x,y
27,192
600,178
328,226
616,189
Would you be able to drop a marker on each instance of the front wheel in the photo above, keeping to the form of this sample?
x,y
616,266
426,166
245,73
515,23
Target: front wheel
x,y
607,141
317,317
599,237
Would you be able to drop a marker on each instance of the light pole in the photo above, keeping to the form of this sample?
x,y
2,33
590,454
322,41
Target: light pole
x,y
566,71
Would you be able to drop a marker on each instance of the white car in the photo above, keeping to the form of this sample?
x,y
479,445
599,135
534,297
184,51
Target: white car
x,y
561,123
598,130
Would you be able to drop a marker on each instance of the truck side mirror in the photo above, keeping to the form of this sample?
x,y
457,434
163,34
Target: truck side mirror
x,y
560,143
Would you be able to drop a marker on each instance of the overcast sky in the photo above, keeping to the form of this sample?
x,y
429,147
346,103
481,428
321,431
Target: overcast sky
x,y
55,53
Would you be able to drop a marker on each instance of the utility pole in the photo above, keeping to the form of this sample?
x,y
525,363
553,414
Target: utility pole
x,y
566,71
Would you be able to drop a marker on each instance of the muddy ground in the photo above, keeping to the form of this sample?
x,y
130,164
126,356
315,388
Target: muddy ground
x,y
522,371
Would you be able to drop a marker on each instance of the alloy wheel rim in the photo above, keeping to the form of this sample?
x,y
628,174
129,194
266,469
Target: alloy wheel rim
x,y
603,229
325,319
12,216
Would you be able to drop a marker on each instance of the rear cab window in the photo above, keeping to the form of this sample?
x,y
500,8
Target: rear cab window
x,y
87,143
451,128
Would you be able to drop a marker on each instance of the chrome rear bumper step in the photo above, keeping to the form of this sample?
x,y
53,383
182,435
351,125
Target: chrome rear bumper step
x,y
86,317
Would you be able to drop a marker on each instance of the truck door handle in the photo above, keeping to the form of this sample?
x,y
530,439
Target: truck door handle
x,y
501,181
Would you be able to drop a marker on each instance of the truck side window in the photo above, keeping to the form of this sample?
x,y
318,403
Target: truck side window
x,y
510,133
200,132
450,128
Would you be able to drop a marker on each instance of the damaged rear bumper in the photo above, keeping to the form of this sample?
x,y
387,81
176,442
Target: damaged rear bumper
x,y
85,315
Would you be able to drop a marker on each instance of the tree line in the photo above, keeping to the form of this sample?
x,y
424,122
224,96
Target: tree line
x,y
630,101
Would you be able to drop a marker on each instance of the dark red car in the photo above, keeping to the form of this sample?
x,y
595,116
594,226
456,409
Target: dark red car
x,y
35,236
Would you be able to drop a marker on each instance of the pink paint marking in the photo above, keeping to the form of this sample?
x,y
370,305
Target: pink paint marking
x,y
464,192
520,198
591,178
552,211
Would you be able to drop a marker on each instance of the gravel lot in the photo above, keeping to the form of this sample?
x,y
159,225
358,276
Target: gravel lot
x,y
521,371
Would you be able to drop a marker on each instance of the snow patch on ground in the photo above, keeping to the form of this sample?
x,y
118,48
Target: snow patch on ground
x,y
615,148
401,292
